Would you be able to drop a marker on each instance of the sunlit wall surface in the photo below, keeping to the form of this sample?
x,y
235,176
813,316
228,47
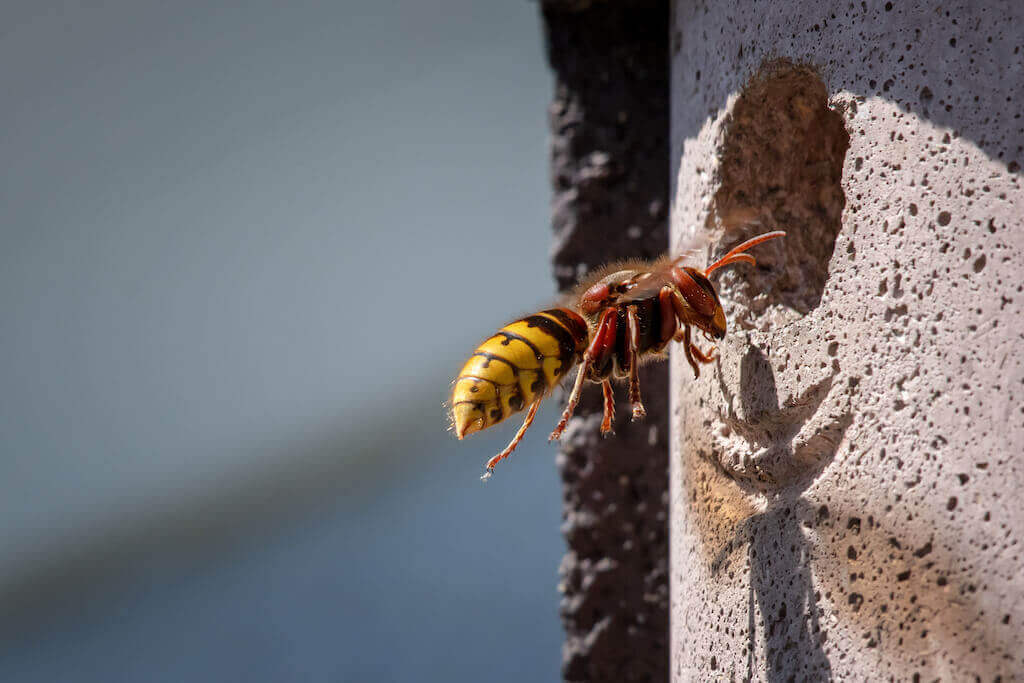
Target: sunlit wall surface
x,y
243,251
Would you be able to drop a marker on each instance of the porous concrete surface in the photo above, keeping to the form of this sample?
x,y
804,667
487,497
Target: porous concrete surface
x,y
847,479
610,171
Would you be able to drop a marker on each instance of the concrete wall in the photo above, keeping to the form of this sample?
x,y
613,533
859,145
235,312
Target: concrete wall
x,y
846,480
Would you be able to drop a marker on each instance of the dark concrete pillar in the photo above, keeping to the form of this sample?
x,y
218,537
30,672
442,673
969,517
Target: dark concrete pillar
x,y
610,171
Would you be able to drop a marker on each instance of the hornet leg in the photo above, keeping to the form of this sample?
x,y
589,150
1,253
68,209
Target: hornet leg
x,y
632,341
600,346
693,354
609,408
515,441
669,321
699,355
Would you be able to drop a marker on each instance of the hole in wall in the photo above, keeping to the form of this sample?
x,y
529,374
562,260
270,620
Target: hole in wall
x,y
781,167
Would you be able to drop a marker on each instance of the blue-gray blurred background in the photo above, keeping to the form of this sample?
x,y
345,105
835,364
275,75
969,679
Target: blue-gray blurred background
x,y
244,248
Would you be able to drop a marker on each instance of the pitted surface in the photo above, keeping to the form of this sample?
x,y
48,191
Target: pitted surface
x,y
845,480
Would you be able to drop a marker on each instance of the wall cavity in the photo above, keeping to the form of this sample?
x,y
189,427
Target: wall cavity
x,y
781,163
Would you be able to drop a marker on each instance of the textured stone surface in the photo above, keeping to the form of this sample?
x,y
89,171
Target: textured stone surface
x,y
845,480
610,171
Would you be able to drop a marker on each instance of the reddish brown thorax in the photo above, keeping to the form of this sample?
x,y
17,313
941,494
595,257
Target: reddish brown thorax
x,y
605,292
595,298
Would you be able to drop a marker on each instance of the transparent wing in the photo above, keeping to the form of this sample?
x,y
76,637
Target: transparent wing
x,y
694,248
691,248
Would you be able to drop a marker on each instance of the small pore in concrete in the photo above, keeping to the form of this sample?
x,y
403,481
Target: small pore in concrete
x,y
781,167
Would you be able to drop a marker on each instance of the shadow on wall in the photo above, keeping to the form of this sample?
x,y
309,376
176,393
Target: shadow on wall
x,y
781,168
779,555
900,588
782,163
781,583
924,592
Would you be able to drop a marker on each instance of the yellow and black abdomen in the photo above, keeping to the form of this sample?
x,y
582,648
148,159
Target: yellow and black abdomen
x,y
515,367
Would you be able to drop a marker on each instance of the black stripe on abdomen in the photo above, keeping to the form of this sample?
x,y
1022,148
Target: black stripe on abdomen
x,y
509,336
492,356
577,328
566,344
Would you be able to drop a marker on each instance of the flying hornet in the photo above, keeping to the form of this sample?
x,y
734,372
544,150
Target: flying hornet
x,y
620,316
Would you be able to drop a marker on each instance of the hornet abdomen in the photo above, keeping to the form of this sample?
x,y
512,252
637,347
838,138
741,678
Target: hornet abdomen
x,y
515,367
